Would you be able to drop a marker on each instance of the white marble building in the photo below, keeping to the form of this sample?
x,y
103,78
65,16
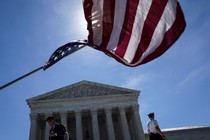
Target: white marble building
x,y
94,111
90,111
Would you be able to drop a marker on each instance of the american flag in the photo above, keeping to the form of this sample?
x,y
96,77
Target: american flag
x,y
64,51
133,32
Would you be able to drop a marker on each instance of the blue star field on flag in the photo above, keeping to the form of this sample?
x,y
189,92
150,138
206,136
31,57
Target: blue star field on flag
x,y
64,51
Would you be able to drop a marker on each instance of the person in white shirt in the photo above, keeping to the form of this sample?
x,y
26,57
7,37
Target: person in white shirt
x,y
154,130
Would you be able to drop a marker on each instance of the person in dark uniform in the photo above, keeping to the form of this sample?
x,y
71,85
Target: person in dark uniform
x,y
57,130
154,130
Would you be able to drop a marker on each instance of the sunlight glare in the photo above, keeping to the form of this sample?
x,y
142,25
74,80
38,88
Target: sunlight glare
x,y
82,24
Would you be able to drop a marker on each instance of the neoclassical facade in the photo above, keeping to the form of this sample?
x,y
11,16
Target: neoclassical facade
x,y
90,111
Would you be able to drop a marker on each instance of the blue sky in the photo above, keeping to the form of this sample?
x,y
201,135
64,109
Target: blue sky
x,y
176,86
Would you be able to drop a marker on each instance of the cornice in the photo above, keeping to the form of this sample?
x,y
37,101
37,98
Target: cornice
x,y
83,89
85,100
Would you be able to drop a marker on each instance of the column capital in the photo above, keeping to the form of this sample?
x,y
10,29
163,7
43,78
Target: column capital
x,y
47,114
78,112
135,107
108,109
122,108
94,110
33,116
64,112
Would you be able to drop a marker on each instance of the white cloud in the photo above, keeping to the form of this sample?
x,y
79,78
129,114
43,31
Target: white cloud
x,y
134,81
195,77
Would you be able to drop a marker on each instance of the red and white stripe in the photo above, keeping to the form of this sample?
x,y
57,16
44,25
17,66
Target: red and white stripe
x,y
133,31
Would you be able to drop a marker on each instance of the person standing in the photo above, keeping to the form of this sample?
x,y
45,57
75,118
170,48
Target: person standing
x,y
57,130
154,130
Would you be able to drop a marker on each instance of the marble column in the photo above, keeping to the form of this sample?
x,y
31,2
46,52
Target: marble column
x,y
79,135
125,132
33,127
138,125
47,127
94,114
64,119
109,122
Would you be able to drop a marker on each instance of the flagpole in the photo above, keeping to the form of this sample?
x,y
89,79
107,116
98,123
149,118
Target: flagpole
x,y
42,67
6,85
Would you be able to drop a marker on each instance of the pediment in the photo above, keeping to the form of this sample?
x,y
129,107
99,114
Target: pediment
x,y
83,89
